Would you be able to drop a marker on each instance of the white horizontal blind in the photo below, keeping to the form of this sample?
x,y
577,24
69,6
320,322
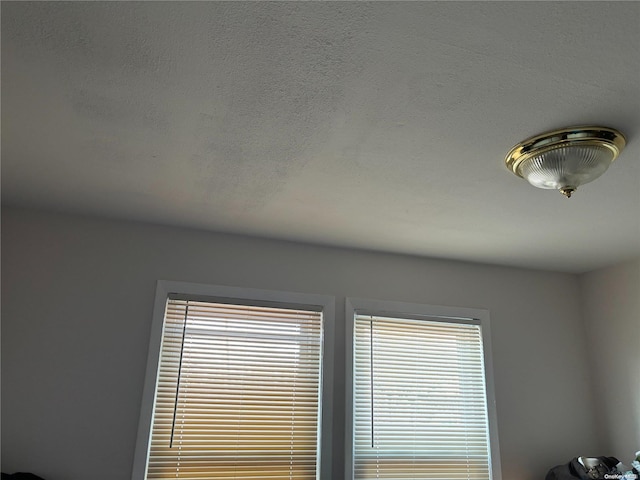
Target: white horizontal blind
x,y
238,393
420,407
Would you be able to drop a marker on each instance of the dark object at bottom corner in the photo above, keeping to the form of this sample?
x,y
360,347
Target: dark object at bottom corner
x,y
21,476
575,471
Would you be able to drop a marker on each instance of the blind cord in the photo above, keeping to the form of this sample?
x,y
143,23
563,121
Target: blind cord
x,y
371,369
175,406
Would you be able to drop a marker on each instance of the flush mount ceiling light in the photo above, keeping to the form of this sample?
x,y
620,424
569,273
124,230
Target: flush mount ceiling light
x,y
567,158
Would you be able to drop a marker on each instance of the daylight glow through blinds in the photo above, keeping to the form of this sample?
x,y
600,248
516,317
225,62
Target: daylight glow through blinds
x,y
420,407
238,393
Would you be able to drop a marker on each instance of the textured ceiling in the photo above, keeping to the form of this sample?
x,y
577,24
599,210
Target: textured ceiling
x,y
372,125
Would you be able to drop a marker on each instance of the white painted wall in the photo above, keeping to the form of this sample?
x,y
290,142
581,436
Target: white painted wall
x,y
611,308
77,298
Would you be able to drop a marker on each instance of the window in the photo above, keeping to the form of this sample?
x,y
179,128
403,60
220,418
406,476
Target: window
x,y
421,397
238,386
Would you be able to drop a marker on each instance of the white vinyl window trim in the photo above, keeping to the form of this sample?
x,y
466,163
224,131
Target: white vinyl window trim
x,y
170,298
396,422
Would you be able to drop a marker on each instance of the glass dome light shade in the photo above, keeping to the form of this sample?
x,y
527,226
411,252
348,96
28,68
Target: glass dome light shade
x,y
565,159
569,166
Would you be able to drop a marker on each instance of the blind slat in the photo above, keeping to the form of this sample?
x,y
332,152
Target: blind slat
x,y
419,400
239,399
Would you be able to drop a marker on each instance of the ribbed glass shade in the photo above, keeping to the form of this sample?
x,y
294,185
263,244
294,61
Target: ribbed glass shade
x,y
566,166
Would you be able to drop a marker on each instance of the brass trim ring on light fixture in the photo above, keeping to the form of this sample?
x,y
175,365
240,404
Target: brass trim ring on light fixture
x,y
587,135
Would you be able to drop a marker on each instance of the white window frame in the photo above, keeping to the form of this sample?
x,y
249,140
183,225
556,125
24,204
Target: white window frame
x,y
355,306
220,293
